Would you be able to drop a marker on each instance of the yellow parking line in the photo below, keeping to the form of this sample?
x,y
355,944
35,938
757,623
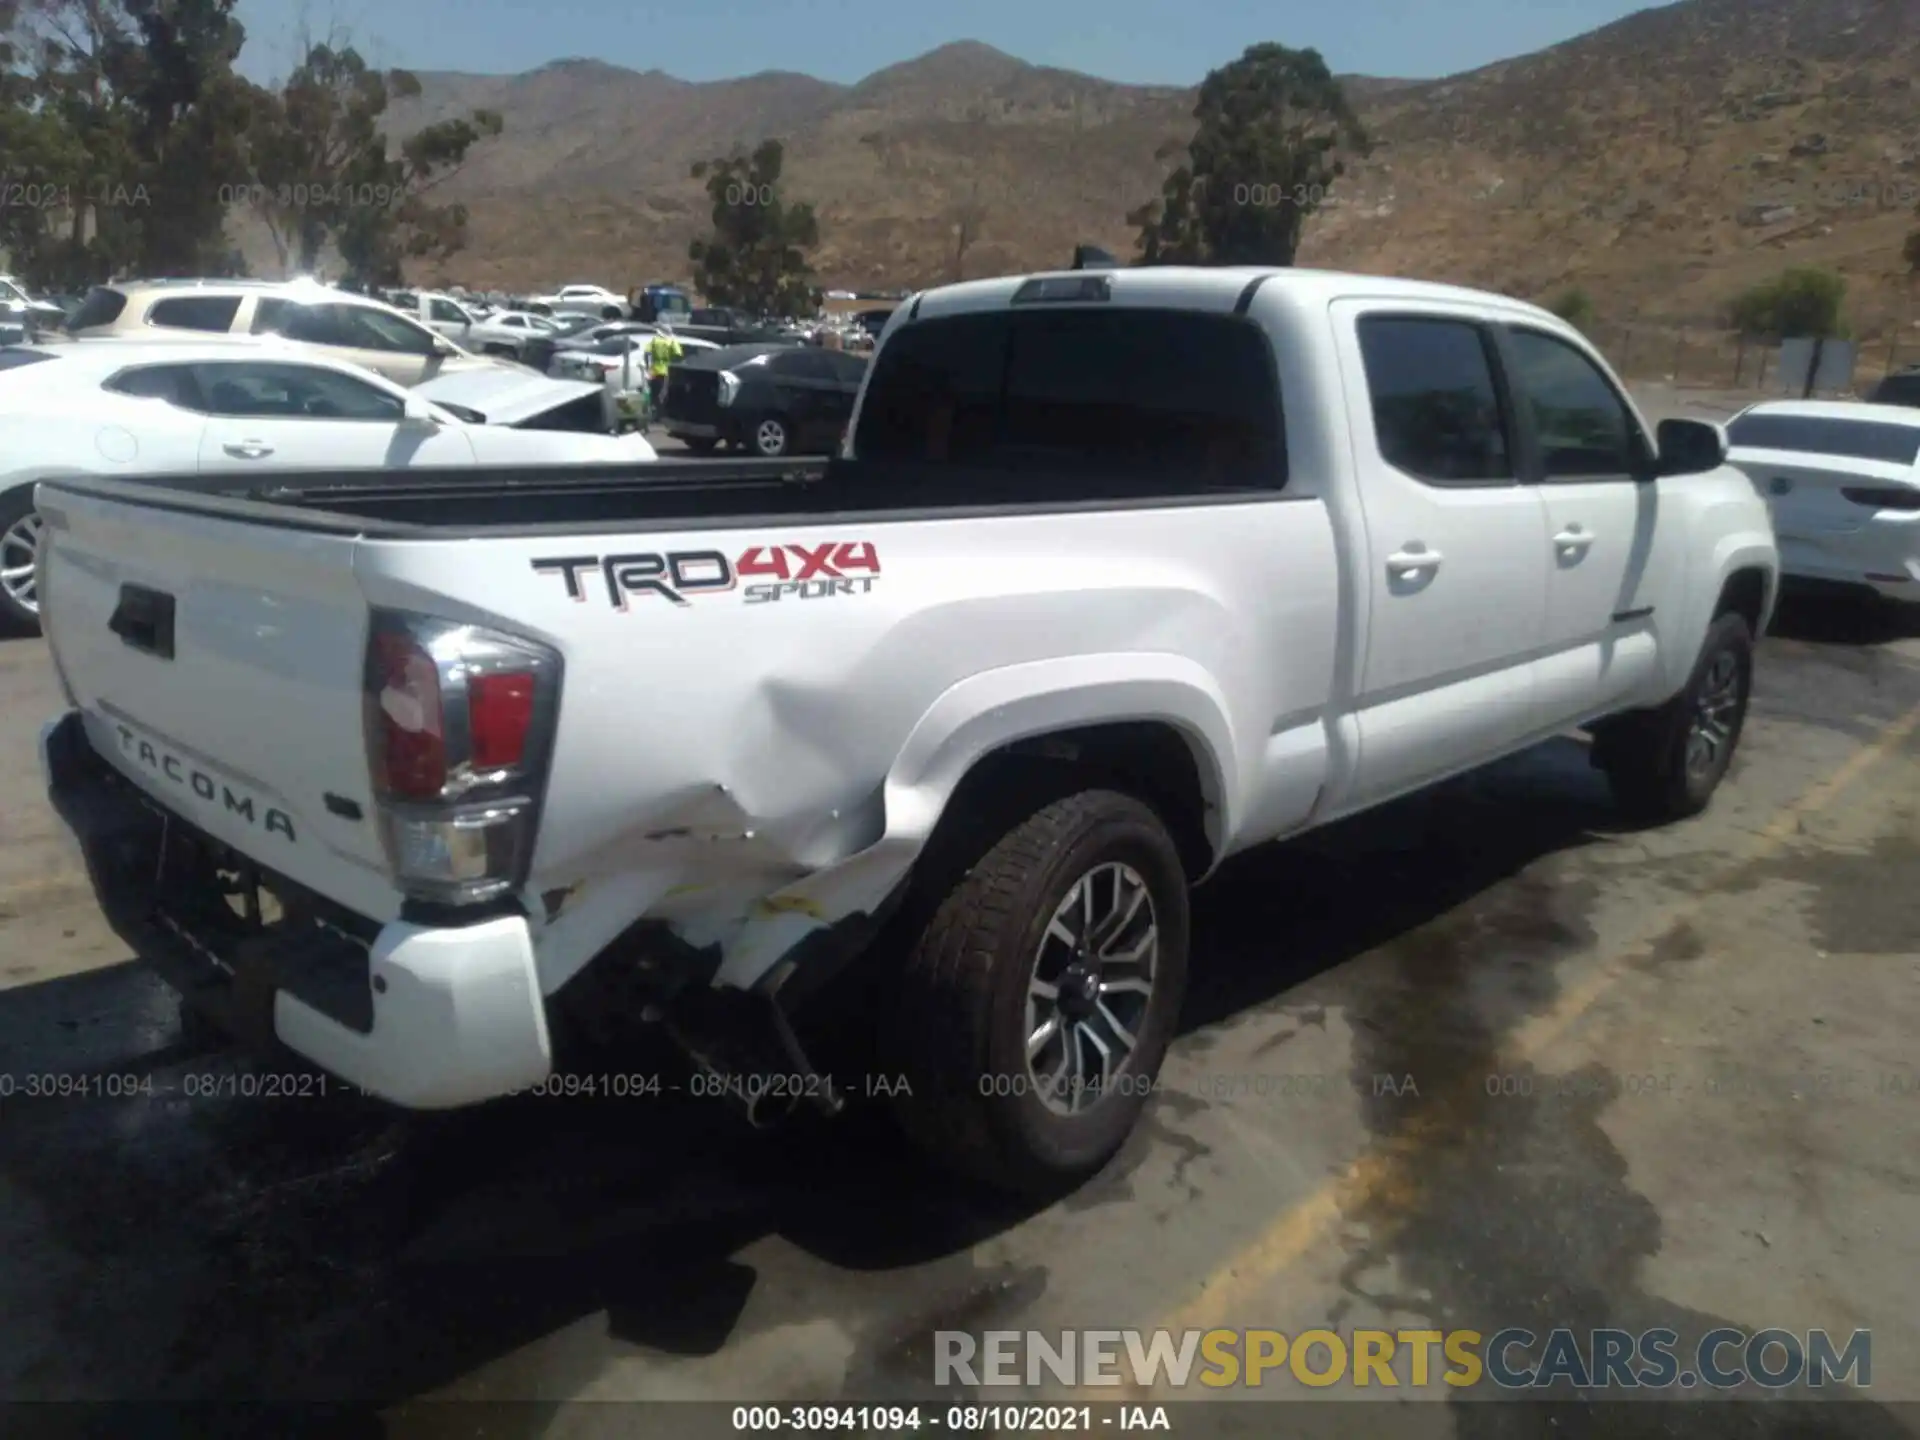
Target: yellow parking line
x,y
1382,1171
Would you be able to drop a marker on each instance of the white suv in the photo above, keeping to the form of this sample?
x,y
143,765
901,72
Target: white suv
x,y
343,325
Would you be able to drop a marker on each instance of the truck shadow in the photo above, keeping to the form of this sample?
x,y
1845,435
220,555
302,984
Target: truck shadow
x,y
1825,616
174,1235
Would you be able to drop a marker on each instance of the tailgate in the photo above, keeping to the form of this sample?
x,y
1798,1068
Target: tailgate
x,y
220,666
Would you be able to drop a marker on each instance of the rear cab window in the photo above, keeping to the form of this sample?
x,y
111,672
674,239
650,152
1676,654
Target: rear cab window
x,y
1186,401
1891,444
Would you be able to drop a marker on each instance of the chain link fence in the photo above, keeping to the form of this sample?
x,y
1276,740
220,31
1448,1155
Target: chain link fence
x,y
1706,355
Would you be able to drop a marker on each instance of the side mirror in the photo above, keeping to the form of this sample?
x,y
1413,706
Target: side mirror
x,y
420,414
1690,447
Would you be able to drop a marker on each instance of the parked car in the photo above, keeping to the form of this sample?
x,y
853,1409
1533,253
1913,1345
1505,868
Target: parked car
x,y
1126,574
475,329
773,399
350,327
223,413
660,304
592,333
1900,388
730,327
523,400
585,300
1843,483
626,351
29,312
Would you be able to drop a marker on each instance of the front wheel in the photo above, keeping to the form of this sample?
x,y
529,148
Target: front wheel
x,y
1036,1006
20,532
1665,764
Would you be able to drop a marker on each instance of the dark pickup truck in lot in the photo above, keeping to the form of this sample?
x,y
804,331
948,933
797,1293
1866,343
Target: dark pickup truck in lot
x,y
730,327
773,399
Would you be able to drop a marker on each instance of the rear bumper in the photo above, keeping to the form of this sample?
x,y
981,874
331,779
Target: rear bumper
x,y
1883,555
427,1018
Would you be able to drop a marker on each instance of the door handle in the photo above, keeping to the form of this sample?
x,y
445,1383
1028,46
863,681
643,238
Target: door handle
x,y
1573,538
1415,557
247,449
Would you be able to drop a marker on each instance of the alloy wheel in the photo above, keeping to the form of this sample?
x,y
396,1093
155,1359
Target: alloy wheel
x,y
19,550
1716,711
1090,988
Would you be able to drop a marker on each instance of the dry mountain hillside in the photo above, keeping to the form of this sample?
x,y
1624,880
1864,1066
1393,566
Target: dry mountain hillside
x,y
1663,162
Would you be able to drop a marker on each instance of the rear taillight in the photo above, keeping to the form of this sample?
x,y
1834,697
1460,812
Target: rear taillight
x,y
409,752
499,717
459,726
1884,497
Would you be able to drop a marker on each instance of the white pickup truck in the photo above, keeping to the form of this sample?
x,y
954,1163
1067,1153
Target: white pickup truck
x,y
1119,574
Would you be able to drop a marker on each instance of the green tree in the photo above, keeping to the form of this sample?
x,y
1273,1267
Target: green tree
x,y
322,171
1803,301
174,66
756,257
130,112
1574,306
1272,130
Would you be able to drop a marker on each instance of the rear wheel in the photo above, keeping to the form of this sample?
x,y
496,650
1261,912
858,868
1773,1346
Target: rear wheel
x,y
1665,764
20,532
772,437
1038,1002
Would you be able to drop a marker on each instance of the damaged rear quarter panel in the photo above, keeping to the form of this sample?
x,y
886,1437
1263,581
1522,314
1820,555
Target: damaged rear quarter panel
x,y
717,753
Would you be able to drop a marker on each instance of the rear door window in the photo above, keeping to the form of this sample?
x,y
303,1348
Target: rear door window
x,y
277,391
1436,409
171,383
211,313
1188,399
849,370
1819,435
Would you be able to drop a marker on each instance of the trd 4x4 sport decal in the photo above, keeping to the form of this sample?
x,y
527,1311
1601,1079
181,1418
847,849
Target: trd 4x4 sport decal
x,y
805,572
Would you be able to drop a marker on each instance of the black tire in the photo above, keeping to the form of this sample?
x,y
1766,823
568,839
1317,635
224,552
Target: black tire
x,y
759,433
959,1027
1646,754
15,619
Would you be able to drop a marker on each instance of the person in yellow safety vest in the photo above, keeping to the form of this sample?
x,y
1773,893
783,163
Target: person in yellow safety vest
x,y
662,351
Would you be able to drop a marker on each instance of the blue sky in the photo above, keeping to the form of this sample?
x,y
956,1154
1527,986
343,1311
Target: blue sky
x,y
1143,41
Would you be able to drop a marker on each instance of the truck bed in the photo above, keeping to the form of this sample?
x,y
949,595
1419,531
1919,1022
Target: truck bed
x,y
579,499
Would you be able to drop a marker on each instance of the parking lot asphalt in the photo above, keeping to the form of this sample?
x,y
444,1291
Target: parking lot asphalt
x,y
1483,1059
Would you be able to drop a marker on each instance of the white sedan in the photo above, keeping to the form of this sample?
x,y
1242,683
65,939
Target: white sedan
x,y
1843,482
219,410
585,300
621,354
